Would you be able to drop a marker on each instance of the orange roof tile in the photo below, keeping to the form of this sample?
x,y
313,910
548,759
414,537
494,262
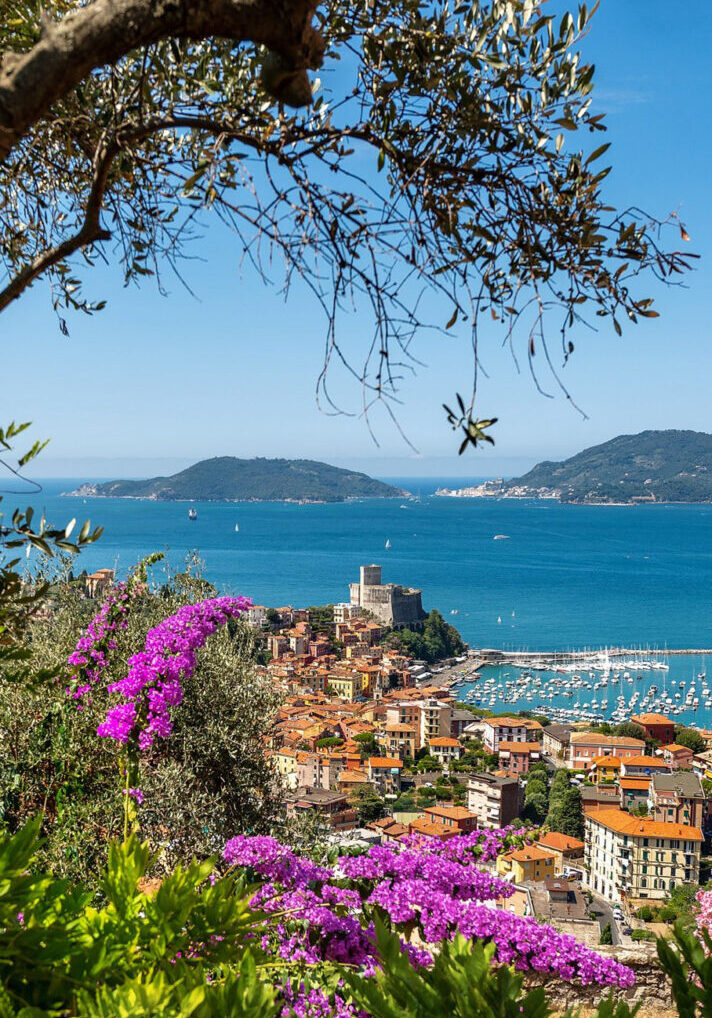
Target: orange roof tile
x,y
384,761
623,823
352,777
633,784
443,740
560,842
423,826
651,719
608,761
676,750
644,761
520,747
530,853
594,739
452,812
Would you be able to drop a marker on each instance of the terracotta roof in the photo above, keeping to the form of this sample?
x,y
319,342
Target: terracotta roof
x,y
520,747
561,842
423,826
443,740
401,728
651,719
530,853
384,761
632,784
352,778
608,761
644,761
452,812
594,739
676,750
623,823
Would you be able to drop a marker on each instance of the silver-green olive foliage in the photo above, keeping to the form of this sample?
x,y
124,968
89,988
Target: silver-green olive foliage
x,y
449,148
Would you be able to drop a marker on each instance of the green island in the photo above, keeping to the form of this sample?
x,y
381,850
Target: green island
x,y
229,479
653,466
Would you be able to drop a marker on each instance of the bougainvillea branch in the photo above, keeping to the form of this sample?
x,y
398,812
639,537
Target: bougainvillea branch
x,y
153,682
421,885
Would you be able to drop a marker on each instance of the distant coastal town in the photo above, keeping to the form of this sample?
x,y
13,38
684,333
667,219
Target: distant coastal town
x,y
373,743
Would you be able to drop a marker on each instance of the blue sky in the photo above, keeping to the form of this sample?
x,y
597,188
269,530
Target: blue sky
x,y
152,384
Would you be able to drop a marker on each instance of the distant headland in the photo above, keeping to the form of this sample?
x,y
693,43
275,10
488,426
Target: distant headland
x,y
653,466
229,479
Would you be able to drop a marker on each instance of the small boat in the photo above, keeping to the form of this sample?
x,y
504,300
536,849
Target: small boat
x,y
388,544
499,619
237,528
455,611
192,514
501,537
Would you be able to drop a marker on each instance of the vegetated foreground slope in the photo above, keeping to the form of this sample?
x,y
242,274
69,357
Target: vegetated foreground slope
x,y
227,478
663,466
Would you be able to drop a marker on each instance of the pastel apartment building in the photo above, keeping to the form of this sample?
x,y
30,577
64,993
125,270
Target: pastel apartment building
x,y
493,799
629,857
399,740
643,766
518,757
256,615
385,773
435,718
555,740
678,758
656,726
530,864
585,747
678,798
453,817
496,730
445,749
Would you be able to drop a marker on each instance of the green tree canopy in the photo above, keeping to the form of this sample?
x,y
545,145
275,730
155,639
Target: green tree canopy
x,y
368,805
454,148
437,640
629,730
566,814
690,738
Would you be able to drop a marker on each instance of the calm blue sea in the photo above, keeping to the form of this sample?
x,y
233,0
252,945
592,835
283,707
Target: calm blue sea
x,y
574,576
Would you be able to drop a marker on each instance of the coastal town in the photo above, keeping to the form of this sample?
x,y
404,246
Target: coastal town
x,y
371,745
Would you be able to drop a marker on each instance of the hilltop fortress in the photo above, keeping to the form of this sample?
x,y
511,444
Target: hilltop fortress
x,y
392,604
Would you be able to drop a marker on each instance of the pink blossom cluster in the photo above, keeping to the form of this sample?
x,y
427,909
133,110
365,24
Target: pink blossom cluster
x,y
152,685
703,915
315,1003
424,884
90,656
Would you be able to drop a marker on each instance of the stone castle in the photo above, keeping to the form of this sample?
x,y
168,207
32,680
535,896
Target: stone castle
x,y
392,604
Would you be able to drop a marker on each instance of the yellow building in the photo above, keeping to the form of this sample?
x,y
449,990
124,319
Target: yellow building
x,y
346,687
605,769
285,762
528,863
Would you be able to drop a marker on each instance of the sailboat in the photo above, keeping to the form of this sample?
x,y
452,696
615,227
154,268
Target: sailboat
x,y
192,514
237,528
388,544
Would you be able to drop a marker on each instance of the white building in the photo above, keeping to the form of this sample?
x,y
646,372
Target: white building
x,y
256,615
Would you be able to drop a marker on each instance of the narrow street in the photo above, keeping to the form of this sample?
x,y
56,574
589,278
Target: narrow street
x,y
600,905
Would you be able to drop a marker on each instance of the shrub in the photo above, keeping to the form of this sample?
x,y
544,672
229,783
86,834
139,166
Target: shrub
x,y
642,935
